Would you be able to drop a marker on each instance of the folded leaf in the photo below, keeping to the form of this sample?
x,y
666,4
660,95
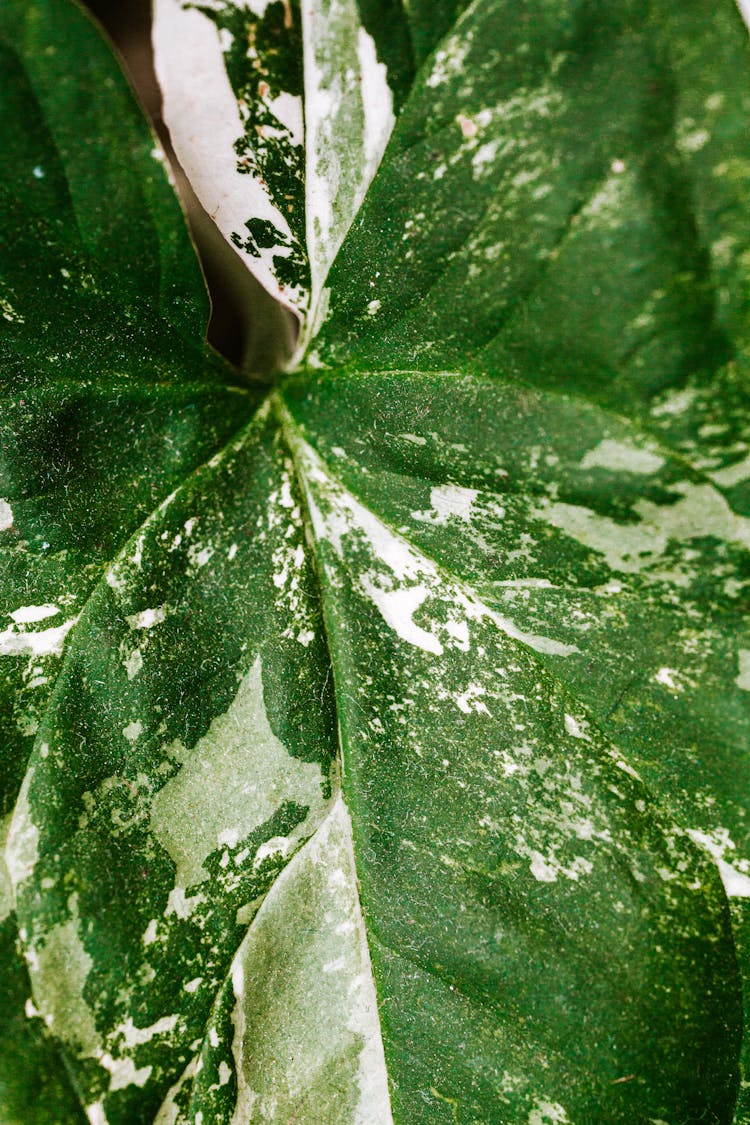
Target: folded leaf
x,y
279,113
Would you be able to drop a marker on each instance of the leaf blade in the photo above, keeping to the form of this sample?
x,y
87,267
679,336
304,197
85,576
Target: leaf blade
x,y
180,696
285,202
510,179
422,546
436,688
121,205
295,1047
100,330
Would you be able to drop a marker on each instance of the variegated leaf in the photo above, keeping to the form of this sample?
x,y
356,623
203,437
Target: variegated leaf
x,y
279,113
211,771
387,763
108,400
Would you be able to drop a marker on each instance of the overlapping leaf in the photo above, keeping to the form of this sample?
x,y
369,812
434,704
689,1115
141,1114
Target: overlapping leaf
x,y
304,108
390,762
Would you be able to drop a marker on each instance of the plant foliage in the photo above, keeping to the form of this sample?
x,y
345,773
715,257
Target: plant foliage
x,y
375,743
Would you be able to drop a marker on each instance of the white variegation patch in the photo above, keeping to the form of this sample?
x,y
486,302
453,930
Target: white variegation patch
x,y
449,501
743,675
618,456
348,118
123,1072
6,887
401,580
22,846
18,641
547,1112
26,614
59,966
203,117
133,1036
701,511
305,1018
235,778
733,869
729,476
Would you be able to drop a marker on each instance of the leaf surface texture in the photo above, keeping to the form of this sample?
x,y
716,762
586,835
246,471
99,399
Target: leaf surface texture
x,y
377,745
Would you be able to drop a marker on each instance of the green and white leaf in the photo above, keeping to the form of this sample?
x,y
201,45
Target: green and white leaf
x,y
305,1035
279,113
379,751
109,399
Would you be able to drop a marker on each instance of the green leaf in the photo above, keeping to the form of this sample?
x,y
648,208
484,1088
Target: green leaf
x,y
501,191
298,1007
98,430
384,744
212,769
109,399
71,200
451,548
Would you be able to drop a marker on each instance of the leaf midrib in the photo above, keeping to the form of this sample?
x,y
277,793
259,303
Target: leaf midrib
x,y
294,436
661,810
